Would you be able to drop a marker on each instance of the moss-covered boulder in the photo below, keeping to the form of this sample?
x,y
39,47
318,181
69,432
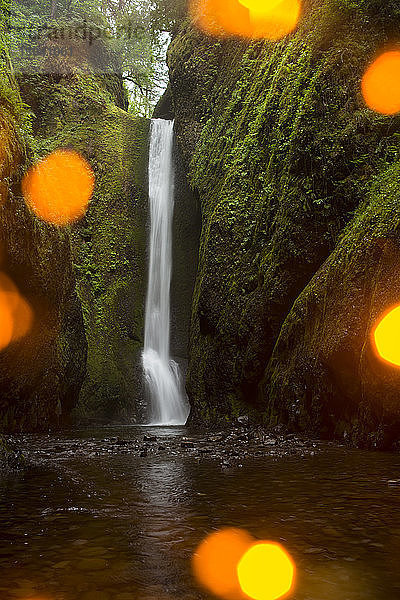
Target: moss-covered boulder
x,y
282,151
41,373
325,375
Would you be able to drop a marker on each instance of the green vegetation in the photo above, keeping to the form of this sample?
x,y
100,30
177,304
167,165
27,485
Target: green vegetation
x,y
348,392
132,34
96,267
286,153
297,182
40,376
83,110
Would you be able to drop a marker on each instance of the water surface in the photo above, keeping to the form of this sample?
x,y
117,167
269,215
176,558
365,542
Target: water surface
x,y
103,515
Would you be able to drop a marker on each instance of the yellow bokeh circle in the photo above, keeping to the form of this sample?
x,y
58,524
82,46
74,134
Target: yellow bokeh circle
x,y
266,571
386,336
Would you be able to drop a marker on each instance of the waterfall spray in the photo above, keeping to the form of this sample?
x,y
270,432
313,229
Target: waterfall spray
x,y
169,405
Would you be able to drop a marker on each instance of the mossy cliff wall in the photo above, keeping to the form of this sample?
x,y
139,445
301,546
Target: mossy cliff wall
x,y
110,259
86,111
186,228
40,374
299,245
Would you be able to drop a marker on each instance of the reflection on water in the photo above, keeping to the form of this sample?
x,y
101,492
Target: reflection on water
x,y
163,485
120,526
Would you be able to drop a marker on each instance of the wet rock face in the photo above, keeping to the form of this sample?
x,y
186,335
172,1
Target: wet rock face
x,y
40,374
110,256
287,161
86,283
186,229
327,375
196,63
109,245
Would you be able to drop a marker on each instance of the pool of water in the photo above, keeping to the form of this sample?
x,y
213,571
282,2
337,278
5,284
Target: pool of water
x,y
105,515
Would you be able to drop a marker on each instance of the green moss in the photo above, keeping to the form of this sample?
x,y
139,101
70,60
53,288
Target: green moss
x,y
84,111
108,245
109,253
284,153
111,267
40,374
324,374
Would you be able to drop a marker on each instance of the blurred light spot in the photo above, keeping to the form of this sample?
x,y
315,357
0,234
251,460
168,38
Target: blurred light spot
x,y
272,19
59,188
220,17
215,562
386,336
381,84
15,313
266,571
254,19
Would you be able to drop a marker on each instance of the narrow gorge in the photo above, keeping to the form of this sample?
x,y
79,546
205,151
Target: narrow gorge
x,y
199,299
307,211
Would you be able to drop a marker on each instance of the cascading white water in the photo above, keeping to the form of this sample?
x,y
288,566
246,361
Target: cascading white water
x,y
169,405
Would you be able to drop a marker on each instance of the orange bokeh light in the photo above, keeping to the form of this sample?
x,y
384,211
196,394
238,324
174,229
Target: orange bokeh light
x,y
15,313
386,336
266,571
381,84
253,19
215,562
59,188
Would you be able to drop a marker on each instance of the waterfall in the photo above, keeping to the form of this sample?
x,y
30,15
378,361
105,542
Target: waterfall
x,y
169,405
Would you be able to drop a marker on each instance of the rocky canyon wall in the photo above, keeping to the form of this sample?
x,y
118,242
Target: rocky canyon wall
x,y
299,249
